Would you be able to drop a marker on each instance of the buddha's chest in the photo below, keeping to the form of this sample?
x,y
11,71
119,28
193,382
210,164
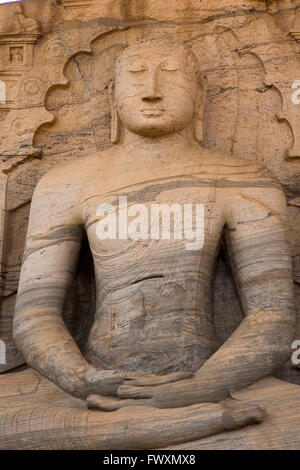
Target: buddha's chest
x,y
152,222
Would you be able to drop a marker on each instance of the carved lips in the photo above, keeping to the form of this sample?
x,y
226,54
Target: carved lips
x,y
156,112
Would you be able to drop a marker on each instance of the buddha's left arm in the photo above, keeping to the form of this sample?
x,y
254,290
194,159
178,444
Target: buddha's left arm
x,y
261,262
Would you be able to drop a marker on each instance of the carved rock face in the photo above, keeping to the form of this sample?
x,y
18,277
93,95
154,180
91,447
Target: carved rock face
x,y
156,88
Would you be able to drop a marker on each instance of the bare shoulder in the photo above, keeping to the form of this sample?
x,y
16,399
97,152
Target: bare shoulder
x,y
69,177
246,185
240,171
56,194
250,190
67,172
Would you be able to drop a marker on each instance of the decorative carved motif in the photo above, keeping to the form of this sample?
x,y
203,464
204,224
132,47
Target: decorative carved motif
x,y
14,22
16,55
17,50
281,68
18,36
33,87
55,50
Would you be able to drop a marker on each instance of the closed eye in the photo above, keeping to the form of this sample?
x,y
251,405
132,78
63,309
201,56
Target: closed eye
x,y
169,67
137,69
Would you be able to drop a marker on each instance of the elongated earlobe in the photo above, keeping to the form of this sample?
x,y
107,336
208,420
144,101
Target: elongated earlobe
x,y
115,120
115,125
199,112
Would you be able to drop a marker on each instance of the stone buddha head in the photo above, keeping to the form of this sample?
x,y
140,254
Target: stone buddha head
x,y
157,90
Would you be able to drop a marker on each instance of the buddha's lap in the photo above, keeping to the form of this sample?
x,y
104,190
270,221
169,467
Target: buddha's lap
x,y
26,393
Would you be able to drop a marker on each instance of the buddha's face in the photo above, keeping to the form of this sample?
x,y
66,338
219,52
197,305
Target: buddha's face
x,y
155,89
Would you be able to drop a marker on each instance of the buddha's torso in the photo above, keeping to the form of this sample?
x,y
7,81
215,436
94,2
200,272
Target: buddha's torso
x,y
153,297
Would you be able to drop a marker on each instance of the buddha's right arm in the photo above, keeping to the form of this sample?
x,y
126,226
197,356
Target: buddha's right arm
x,y
49,264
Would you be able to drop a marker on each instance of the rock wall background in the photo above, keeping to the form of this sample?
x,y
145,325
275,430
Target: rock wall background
x,y
57,59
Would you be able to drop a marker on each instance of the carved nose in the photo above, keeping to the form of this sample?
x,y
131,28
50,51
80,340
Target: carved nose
x,y
151,91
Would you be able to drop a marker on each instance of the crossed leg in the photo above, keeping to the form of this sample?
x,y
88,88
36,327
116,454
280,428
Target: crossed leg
x,y
280,430
35,414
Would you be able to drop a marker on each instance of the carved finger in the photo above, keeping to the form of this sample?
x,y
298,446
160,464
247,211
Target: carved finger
x,y
97,402
238,414
104,383
113,380
128,391
104,377
160,380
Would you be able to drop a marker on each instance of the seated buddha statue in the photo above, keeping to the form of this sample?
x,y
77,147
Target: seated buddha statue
x,y
151,374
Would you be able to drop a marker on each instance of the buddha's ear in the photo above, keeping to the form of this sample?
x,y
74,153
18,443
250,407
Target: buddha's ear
x,y
199,111
115,120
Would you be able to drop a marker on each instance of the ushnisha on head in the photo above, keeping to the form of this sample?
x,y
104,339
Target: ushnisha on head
x,y
158,90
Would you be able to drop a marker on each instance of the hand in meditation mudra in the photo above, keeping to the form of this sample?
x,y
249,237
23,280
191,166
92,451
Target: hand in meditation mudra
x,y
151,356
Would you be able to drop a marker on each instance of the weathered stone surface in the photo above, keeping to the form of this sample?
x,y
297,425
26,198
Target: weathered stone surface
x,y
58,60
